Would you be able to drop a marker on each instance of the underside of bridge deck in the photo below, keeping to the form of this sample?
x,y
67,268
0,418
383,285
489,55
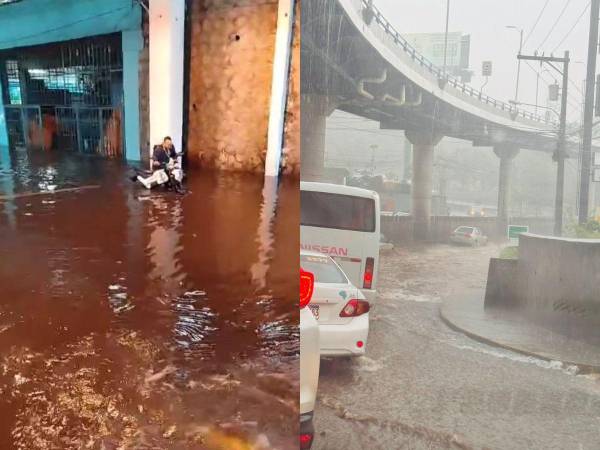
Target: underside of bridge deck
x,y
353,64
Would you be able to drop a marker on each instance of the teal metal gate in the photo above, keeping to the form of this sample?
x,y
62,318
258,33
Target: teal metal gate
x,y
22,121
68,95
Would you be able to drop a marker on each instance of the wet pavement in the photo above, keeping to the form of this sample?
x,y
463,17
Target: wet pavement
x,y
422,385
558,336
141,320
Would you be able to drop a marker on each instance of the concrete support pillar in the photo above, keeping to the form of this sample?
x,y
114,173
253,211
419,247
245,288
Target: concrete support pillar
x,y
3,127
313,121
279,86
7,185
166,39
506,153
132,44
406,173
423,143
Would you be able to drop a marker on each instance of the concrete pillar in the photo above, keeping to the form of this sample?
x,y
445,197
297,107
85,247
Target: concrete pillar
x,y
132,44
506,153
3,127
313,120
406,173
423,142
279,86
167,24
7,185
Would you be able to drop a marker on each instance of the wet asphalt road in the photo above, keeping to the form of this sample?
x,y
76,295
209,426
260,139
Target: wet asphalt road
x,y
424,386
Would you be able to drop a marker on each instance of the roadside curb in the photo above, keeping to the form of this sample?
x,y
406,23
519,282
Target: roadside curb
x,y
582,368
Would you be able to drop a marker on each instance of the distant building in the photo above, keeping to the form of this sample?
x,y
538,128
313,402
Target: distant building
x,y
431,45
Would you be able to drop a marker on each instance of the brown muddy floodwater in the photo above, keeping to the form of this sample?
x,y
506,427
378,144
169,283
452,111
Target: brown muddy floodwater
x,y
131,320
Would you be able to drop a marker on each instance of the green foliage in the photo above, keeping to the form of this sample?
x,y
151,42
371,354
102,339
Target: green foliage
x,y
589,230
510,253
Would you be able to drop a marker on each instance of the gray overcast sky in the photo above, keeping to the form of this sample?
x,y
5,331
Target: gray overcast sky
x,y
485,21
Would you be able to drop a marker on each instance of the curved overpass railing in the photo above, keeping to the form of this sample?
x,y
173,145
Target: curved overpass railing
x,y
372,13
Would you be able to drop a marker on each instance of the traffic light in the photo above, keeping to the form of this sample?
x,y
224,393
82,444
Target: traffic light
x,y
553,92
486,68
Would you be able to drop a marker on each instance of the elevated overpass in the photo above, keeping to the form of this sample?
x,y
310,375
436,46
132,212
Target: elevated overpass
x,y
354,60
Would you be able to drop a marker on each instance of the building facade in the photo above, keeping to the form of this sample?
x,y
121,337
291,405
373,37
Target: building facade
x,y
69,75
112,77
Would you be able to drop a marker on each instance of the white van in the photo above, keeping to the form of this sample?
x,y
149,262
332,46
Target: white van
x,y
343,222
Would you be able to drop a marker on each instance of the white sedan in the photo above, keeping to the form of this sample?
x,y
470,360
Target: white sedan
x,y
309,361
472,236
340,308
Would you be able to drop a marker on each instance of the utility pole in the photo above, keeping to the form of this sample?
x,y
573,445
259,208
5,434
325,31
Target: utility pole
x,y
537,90
446,35
520,30
519,67
560,148
588,115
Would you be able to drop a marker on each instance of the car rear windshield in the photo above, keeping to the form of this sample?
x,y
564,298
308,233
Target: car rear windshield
x,y
342,212
465,230
323,268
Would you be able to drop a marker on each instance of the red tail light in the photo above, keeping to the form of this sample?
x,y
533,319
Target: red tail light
x,y
307,285
355,308
368,276
305,441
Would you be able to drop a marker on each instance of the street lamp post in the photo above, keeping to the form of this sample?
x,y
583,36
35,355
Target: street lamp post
x,y
520,30
446,35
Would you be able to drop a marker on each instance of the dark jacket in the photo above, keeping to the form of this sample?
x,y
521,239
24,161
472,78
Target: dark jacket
x,y
162,157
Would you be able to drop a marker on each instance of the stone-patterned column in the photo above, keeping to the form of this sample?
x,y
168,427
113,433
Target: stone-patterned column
x,y
231,64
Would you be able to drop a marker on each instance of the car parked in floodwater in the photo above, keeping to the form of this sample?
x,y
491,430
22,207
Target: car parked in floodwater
x,y
385,244
472,236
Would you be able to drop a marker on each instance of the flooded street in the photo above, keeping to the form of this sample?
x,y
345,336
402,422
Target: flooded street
x,y
131,319
424,386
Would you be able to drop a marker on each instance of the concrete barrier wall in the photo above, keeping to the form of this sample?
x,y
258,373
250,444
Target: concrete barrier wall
x,y
559,274
399,229
500,288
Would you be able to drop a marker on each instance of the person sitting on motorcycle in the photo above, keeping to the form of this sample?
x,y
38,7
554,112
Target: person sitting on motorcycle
x,y
164,165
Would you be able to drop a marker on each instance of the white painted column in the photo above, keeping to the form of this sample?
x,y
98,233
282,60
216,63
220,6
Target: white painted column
x,y
279,86
167,24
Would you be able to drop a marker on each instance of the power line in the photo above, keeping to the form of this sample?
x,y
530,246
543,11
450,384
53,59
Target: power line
x,y
536,22
569,101
572,28
555,23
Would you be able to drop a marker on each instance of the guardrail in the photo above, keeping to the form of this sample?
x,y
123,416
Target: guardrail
x,y
439,73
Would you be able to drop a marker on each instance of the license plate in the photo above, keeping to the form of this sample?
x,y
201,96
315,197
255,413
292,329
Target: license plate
x,y
315,310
